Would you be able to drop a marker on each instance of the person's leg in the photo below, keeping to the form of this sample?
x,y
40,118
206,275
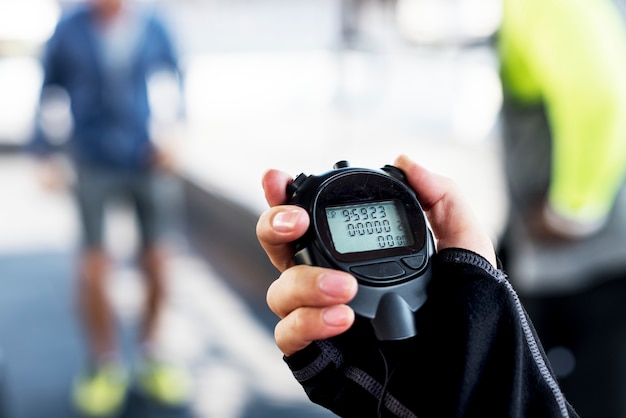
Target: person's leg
x,y
159,377
152,265
151,254
100,390
94,307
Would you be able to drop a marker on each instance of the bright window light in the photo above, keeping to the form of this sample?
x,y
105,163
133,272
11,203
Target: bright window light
x,y
27,20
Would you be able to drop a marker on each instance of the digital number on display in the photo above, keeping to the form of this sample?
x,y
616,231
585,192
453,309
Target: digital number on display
x,y
368,227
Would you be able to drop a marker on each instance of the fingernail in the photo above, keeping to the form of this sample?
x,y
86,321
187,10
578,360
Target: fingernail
x,y
335,284
285,221
337,315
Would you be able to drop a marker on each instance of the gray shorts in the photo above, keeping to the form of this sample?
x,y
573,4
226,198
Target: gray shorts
x,y
97,187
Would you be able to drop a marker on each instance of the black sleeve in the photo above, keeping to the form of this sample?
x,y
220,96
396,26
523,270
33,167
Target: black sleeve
x,y
476,355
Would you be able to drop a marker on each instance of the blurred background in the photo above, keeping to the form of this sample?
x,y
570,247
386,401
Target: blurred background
x,y
295,85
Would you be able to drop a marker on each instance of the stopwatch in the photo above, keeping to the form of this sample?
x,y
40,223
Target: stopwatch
x,y
369,223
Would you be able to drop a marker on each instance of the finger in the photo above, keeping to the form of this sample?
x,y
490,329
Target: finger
x,y
305,325
308,286
449,214
277,228
274,184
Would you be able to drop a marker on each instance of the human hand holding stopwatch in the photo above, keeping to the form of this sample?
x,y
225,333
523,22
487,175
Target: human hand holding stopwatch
x,y
314,302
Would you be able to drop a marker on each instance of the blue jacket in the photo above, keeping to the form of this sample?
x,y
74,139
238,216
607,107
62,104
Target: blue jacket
x,y
110,127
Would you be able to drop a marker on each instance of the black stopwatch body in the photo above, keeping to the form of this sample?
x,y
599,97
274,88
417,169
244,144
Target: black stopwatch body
x,y
369,223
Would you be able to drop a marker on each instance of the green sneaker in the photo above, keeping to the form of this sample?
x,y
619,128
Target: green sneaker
x,y
102,392
164,383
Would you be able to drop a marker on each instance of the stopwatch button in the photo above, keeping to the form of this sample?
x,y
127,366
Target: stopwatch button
x,y
379,271
395,172
341,164
414,262
304,257
294,186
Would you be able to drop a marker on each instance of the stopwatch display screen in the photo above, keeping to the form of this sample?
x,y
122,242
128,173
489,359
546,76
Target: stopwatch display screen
x,y
369,227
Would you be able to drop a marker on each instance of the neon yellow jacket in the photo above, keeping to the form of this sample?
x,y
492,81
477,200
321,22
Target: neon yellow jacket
x,y
571,55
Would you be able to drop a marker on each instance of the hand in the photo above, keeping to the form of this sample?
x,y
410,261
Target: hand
x,y
52,174
451,218
165,159
312,301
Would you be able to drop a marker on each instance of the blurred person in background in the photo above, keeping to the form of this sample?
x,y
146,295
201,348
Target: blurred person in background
x,y
562,71
567,60
102,54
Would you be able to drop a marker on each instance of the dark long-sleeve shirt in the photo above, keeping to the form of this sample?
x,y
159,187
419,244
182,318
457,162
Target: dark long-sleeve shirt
x,y
476,355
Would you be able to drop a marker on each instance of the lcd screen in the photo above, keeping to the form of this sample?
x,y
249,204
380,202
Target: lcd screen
x,y
369,227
